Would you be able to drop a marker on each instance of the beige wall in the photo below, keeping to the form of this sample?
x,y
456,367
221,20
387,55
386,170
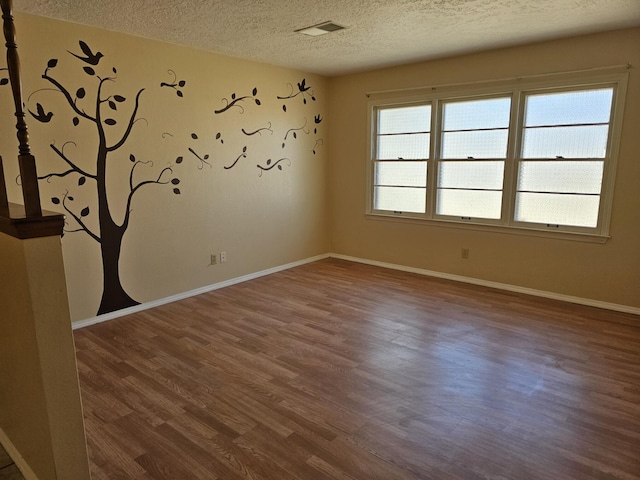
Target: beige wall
x,y
40,409
260,221
606,273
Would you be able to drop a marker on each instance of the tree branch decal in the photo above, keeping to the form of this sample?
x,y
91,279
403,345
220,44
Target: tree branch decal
x,y
242,155
132,120
303,89
259,131
317,144
174,83
203,160
235,102
158,181
271,165
78,218
294,131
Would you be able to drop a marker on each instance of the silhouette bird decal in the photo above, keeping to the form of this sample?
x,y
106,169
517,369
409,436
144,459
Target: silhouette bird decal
x,y
302,85
90,58
41,116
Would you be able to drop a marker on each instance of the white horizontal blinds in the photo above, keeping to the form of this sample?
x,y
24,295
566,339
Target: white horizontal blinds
x,y
400,160
564,147
472,155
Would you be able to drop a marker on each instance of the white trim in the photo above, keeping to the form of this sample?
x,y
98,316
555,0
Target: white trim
x,y
17,458
191,293
448,276
501,286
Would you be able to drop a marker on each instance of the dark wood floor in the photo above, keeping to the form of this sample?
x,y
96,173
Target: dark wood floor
x,y
336,370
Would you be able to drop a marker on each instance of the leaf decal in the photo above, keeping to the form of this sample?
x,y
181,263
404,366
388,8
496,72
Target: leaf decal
x,y
218,135
194,136
294,135
89,70
76,121
284,107
269,161
175,181
258,102
110,121
70,199
119,98
55,200
279,167
244,150
182,83
132,157
82,181
4,81
179,160
81,93
233,96
85,211
52,63
176,191
179,93
112,105
114,70
255,91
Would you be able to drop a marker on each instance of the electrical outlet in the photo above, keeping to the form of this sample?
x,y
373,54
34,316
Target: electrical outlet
x,y
223,257
214,260
464,253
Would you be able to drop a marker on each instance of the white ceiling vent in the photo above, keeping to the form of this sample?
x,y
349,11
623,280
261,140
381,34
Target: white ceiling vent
x,y
320,29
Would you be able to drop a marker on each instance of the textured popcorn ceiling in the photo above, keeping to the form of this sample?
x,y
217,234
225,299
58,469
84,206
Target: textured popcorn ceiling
x,y
379,32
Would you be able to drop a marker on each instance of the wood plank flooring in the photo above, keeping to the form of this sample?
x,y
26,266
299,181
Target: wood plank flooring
x,y
336,370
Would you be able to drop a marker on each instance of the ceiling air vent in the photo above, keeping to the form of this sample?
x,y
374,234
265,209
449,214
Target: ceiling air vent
x,y
320,29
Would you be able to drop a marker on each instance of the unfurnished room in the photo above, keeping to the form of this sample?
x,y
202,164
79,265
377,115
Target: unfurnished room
x,y
332,240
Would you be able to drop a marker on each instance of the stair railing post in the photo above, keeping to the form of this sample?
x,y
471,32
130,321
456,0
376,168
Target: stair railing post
x,y
26,161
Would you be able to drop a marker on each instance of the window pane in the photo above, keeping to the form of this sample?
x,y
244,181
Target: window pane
x,y
569,108
557,209
410,174
399,199
412,146
475,114
471,174
476,144
568,177
569,142
469,203
404,119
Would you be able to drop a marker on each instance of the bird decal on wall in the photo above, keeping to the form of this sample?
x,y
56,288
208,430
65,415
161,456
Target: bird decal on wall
x,y
41,116
90,57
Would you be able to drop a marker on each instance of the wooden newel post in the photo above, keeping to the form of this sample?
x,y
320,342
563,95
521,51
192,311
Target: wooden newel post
x,y
26,161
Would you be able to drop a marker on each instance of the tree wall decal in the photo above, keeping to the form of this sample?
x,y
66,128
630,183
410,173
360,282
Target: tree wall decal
x,y
103,112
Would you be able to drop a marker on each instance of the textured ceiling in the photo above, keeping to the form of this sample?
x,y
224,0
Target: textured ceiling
x,y
379,32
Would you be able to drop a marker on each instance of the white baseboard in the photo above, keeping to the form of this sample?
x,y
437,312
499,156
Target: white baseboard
x,y
191,293
448,276
18,459
501,286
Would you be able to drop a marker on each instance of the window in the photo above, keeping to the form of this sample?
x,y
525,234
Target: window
x,y
402,152
532,155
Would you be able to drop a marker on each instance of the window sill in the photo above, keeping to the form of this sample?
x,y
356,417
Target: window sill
x,y
511,230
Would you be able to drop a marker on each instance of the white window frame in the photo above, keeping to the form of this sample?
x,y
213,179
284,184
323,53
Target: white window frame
x,y
517,89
